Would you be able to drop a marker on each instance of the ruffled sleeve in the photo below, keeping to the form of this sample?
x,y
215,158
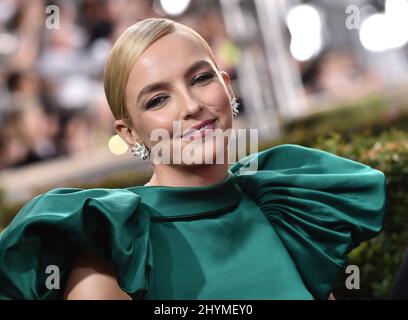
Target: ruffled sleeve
x,y
55,226
321,205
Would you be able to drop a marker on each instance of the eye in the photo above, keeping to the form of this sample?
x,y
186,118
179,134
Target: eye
x,y
155,101
204,77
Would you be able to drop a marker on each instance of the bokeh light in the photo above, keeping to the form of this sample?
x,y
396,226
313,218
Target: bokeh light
x,y
174,8
305,26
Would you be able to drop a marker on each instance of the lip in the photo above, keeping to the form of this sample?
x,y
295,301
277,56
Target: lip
x,y
197,127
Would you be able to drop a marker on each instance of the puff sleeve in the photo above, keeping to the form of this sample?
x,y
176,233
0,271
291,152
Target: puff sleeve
x,y
321,205
55,226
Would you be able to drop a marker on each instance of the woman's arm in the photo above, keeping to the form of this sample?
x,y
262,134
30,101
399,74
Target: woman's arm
x,y
92,279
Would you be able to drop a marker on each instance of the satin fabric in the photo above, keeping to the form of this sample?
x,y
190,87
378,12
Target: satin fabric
x,y
282,231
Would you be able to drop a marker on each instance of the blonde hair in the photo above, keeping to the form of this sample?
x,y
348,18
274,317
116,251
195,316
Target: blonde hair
x,y
127,48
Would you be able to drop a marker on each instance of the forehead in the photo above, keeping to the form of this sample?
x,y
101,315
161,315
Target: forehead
x,y
168,56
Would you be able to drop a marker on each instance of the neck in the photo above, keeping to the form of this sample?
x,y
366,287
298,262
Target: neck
x,y
188,176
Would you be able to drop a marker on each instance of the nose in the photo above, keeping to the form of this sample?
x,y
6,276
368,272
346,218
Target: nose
x,y
190,106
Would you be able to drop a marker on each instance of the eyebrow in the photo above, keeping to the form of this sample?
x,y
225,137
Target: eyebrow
x,y
164,85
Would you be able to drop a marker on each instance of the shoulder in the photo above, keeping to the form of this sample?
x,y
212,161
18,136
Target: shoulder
x,y
57,225
63,202
321,205
289,156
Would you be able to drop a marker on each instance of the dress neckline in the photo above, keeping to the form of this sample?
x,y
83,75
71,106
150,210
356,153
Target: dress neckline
x,y
170,202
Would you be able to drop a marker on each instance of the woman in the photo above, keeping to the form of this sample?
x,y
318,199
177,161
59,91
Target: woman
x,y
195,230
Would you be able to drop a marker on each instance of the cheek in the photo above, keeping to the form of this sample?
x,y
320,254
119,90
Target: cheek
x,y
216,96
157,120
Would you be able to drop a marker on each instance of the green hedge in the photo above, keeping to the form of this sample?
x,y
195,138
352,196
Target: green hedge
x,y
370,116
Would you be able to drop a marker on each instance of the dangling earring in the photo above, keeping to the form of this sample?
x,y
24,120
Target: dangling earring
x,y
140,150
234,106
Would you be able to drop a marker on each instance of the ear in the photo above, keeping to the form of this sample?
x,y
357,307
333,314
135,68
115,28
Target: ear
x,y
227,82
126,132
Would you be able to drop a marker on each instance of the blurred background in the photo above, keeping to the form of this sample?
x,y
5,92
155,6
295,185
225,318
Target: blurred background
x,y
330,74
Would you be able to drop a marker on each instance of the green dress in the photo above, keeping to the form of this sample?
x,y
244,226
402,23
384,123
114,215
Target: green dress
x,y
280,232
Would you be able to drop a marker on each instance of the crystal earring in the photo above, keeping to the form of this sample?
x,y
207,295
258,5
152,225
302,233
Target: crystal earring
x,y
234,106
140,150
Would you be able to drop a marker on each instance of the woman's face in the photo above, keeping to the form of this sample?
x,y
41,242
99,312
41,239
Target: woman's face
x,y
174,84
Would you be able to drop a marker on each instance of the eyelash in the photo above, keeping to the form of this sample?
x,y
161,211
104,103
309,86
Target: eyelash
x,y
202,78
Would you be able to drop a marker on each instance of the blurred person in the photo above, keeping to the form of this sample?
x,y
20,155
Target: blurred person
x,y
94,16
77,134
36,131
28,135
63,51
337,76
13,150
213,30
5,96
23,86
125,12
102,119
195,230
26,24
